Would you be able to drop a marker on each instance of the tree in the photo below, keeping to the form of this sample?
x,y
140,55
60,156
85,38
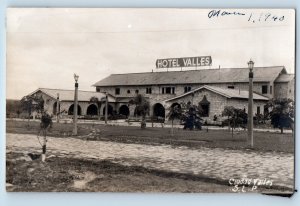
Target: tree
x,y
46,123
98,102
36,103
191,116
142,108
31,104
13,108
228,112
235,117
18,113
282,113
174,113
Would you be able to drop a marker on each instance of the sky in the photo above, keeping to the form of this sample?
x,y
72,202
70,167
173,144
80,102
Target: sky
x,y
46,46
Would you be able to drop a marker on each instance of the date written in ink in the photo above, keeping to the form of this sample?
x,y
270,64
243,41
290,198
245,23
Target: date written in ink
x,y
265,17
252,17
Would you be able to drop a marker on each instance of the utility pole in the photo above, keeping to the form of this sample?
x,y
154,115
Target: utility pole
x,y
75,104
250,103
57,108
106,107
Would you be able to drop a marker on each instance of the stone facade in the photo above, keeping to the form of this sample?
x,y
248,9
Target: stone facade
x,y
258,105
218,102
285,90
64,106
48,102
156,90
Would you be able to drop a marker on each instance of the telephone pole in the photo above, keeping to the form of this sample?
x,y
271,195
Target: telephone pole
x,y
250,103
106,107
75,104
57,108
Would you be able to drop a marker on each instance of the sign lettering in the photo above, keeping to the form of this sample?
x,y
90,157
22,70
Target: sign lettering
x,y
184,62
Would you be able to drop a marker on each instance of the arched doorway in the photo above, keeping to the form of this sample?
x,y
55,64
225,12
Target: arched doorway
x,y
124,110
109,111
204,103
55,107
159,110
71,110
92,110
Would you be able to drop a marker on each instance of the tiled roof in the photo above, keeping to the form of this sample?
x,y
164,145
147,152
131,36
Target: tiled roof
x,y
68,95
229,93
204,76
285,78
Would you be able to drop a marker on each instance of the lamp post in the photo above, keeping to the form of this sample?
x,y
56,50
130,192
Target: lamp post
x,y
75,104
250,103
57,108
106,107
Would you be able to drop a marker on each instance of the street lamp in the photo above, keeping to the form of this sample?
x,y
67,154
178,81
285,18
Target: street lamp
x,y
106,107
57,108
76,77
250,103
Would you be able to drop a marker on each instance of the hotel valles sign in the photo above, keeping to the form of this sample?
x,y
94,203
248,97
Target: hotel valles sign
x,y
184,62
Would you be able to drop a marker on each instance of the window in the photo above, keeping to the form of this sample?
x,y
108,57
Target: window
x,y
204,103
264,89
187,89
117,91
97,89
258,110
205,110
230,87
271,88
128,91
137,91
168,90
148,90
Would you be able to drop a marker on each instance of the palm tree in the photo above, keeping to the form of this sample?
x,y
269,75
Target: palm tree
x,y
98,102
142,108
175,113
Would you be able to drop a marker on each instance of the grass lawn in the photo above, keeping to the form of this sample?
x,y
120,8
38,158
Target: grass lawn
x,y
263,141
32,127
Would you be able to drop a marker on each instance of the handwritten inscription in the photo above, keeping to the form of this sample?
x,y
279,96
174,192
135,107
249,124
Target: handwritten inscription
x,y
251,17
264,17
248,184
217,13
